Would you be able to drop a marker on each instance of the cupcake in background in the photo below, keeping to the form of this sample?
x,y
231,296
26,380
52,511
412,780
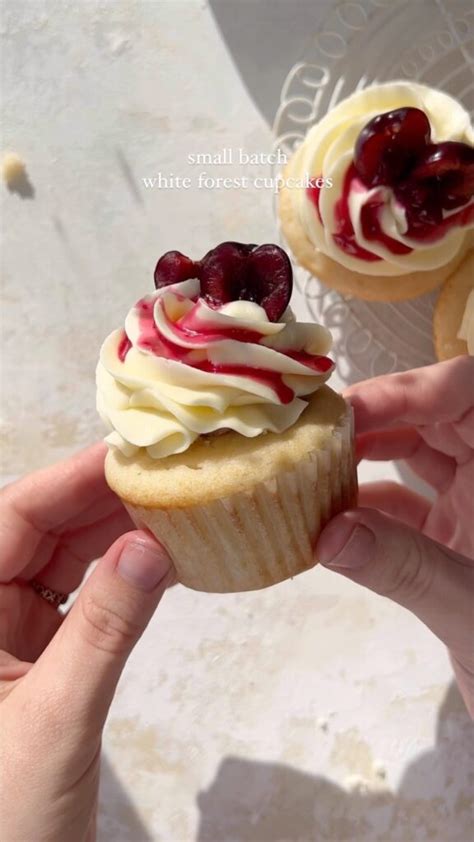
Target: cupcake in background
x,y
224,440
378,200
453,319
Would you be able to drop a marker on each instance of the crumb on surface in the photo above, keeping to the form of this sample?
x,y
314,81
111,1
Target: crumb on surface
x,y
356,783
322,723
379,770
13,168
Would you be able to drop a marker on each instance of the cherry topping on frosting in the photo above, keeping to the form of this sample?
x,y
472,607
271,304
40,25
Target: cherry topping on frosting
x,y
174,267
224,273
235,271
244,248
448,170
422,206
442,179
270,280
394,149
389,144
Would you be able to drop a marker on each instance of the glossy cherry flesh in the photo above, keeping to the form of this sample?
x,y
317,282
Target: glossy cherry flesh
x,y
173,268
395,149
234,271
389,145
448,169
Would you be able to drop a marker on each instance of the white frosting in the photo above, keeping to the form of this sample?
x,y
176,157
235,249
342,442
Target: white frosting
x,y
466,330
161,404
328,151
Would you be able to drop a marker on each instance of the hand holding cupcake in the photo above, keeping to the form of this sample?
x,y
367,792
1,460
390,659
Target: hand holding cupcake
x,y
224,440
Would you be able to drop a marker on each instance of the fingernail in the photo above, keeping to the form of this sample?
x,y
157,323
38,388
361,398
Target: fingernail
x,y
345,544
143,564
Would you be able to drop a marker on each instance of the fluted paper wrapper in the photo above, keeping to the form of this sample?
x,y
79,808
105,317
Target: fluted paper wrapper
x,y
259,537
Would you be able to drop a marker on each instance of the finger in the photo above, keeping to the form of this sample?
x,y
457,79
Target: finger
x,y
76,538
78,671
442,392
396,500
465,679
44,501
11,669
384,445
99,508
70,560
465,427
434,467
447,439
27,622
384,555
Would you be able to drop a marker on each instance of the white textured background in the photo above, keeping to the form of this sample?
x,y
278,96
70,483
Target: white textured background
x,y
311,711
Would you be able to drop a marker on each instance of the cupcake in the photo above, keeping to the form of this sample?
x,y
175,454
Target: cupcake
x,y
453,319
224,440
377,201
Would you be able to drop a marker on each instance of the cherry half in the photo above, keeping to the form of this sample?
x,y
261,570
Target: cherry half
x,y
389,144
448,170
442,179
223,273
173,268
395,149
234,271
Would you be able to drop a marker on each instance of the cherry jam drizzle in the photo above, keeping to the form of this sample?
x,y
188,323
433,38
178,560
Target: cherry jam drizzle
x,y
314,194
124,347
345,236
152,340
428,233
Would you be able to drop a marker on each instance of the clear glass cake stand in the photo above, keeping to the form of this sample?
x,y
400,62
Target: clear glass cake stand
x,y
362,42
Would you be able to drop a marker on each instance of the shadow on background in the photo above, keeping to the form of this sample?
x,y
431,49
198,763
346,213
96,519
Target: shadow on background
x,y
410,479
22,186
265,802
117,818
265,39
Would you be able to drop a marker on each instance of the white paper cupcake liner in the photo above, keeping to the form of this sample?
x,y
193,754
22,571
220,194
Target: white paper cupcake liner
x,y
253,539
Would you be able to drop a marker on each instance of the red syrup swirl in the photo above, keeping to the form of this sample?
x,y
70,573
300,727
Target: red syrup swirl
x,y
152,340
428,233
417,230
345,236
190,329
314,194
272,379
124,347
318,363
372,230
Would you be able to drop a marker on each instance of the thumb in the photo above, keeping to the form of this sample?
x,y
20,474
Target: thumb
x,y
80,668
390,558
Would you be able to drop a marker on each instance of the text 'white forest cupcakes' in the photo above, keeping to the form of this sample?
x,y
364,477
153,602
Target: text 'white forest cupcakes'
x,y
224,440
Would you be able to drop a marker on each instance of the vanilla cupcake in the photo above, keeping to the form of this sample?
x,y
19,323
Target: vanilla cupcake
x,y
224,440
377,201
453,319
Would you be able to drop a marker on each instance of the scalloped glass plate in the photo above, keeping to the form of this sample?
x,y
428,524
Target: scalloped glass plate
x,y
362,42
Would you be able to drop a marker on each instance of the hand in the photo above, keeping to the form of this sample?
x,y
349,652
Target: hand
x,y
417,552
58,674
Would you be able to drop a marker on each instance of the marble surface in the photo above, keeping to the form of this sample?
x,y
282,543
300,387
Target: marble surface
x,y
313,710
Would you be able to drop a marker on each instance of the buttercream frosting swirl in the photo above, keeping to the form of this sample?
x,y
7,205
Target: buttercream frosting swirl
x,y
328,152
182,369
